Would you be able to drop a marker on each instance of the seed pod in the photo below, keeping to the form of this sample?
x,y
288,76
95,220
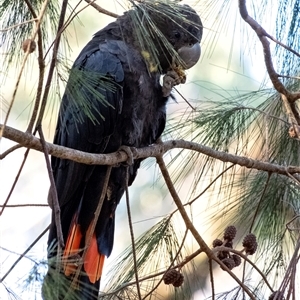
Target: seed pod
x,y
179,281
217,243
29,45
229,263
222,254
229,233
229,245
250,243
237,259
171,276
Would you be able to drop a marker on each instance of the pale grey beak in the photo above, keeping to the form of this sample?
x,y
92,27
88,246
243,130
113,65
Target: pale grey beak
x,y
189,55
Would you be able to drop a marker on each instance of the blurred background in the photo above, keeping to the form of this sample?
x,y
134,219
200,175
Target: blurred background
x,y
231,63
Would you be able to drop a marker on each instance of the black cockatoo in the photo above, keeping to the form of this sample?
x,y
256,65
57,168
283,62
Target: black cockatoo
x,y
113,98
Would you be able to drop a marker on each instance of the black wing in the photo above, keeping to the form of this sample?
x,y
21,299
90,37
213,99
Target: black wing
x,y
89,111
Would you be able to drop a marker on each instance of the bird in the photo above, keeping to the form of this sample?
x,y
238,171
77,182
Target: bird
x,y
114,99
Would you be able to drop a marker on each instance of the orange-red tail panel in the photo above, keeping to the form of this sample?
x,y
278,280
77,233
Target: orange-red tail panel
x,y
72,249
94,261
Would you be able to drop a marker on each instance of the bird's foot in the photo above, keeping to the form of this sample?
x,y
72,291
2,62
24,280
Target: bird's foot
x,y
171,79
159,141
130,154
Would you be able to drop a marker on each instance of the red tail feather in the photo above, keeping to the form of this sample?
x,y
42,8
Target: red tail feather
x,y
93,262
72,249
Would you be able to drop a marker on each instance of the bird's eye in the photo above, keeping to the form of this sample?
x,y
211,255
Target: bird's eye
x,y
177,35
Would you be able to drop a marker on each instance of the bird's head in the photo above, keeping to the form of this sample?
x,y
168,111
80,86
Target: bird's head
x,y
170,33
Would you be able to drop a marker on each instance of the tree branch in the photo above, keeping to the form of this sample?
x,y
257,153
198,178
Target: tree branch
x,y
135,264
35,33
246,259
52,63
190,226
52,193
101,10
29,141
41,64
263,35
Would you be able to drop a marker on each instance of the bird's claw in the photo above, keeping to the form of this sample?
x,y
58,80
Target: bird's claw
x,y
130,154
171,79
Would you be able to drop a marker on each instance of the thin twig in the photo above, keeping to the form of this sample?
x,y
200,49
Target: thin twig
x,y
92,227
19,24
52,63
16,253
25,205
31,8
215,179
189,104
288,76
264,113
292,114
211,276
24,253
282,44
10,150
132,237
41,64
288,277
287,225
38,23
244,276
176,199
71,17
54,199
171,264
190,257
101,10
259,202
55,209
15,181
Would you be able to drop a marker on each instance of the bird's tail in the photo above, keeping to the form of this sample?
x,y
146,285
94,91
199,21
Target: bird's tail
x,y
93,261
82,261
81,268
